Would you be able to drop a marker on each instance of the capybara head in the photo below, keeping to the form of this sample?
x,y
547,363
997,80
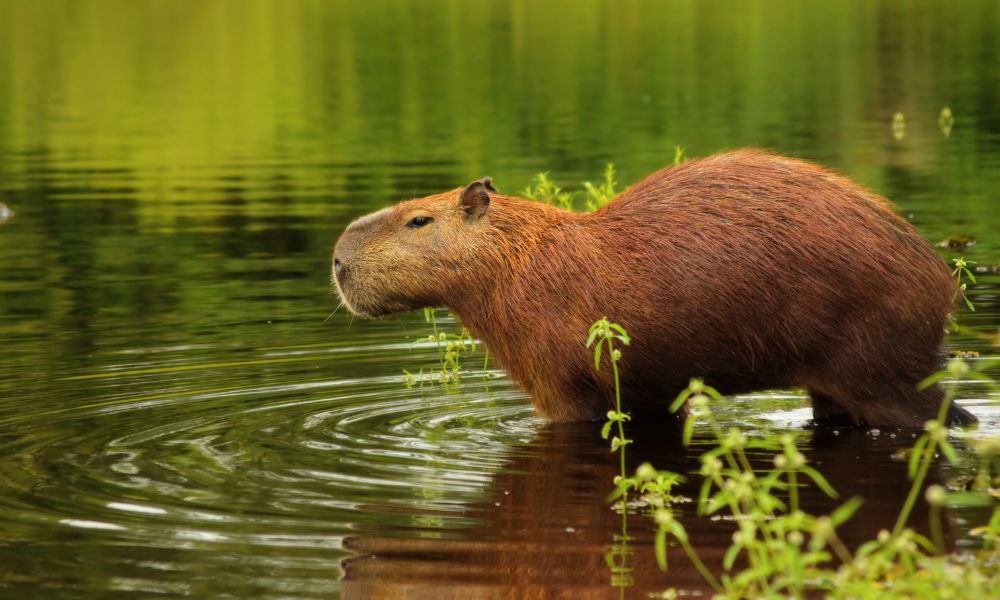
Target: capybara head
x,y
406,256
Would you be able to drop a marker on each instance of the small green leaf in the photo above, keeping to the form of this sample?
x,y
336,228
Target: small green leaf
x,y
915,455
660,546
593,335
606,430
731,554
680,400
677,530
820,481
968,499
706,488
597,355
846,510
688,430
949,451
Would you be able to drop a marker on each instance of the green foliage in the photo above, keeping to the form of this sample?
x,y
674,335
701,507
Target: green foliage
x,y
785,551
962,270
450,347
594,196
599,195
790,553
679,155
545,190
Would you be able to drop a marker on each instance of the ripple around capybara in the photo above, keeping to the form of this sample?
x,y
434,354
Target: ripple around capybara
x,y
749,269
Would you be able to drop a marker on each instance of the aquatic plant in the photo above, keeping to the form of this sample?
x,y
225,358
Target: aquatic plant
x,y
602,336
599,195
790,553
450,348
962,270
545,190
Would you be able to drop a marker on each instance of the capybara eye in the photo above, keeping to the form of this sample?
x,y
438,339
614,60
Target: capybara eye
x,y
419,221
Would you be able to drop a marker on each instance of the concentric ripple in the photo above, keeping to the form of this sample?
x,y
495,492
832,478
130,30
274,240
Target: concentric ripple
x,y
218,482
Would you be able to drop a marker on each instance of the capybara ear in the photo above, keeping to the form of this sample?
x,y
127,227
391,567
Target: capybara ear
x,y
475,198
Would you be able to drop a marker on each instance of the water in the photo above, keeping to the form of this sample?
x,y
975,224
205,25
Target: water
x,y
180,412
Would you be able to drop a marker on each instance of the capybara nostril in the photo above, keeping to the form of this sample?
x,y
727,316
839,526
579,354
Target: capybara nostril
x,y
338,267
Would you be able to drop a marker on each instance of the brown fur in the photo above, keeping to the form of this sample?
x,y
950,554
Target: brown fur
x,y
749,269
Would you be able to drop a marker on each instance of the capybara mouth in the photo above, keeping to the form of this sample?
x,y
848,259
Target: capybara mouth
x,y
358,306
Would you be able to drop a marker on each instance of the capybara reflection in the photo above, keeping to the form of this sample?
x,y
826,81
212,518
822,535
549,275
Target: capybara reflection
x,y
749,269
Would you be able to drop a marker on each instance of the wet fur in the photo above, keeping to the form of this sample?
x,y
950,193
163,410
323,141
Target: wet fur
x,y
749,269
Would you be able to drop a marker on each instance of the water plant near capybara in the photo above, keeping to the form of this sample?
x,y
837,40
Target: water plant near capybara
x,y
750,269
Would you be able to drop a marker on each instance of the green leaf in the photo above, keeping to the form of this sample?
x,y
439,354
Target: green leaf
x,y
968,499
845,511
660,547
606,430
680,400
597,355
923,541
688,430
931,380
949,451
915,455
677,530
820,481
714,394
706,487
731,554
592,336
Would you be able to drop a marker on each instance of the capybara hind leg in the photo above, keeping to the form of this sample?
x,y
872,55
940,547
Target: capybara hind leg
x,y
827,412
956,417
903,405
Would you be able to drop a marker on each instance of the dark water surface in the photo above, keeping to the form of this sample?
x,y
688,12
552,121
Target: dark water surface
x,y
179,416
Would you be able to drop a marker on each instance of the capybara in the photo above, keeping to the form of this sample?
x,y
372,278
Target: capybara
x,y
749,269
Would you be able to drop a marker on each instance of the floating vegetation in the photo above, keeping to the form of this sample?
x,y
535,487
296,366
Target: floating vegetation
x,y
898,126
946,121
957,241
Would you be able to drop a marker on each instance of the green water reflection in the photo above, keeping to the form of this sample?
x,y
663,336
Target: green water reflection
x,y
177,413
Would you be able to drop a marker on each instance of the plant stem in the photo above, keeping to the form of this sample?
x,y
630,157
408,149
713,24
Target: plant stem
x,y
925,465
712,581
